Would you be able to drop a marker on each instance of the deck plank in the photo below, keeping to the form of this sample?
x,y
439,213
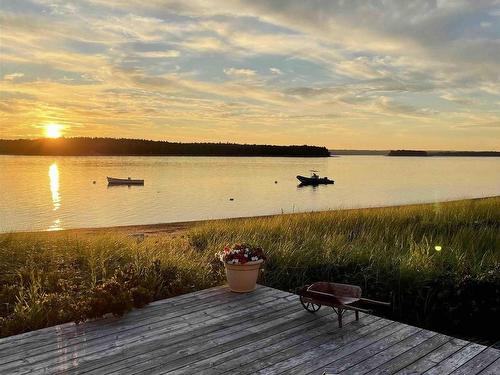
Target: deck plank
x,y
478,363
456,360
49,333
347,362
342,341
410,356
215,331
492,369
88,350
181,346
284,328
313,365
258,352
111,326
433,358
73,333
388,354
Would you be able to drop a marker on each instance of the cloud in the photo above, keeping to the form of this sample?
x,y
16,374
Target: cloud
x,y
13,76
391,106
235,72
16,95
159,54
276,71
205,44
311,91
458,99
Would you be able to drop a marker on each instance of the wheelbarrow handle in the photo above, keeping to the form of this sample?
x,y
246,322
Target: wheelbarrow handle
x,y
374,302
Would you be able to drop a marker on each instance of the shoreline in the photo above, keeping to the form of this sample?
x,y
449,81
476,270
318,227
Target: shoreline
x,y
181,226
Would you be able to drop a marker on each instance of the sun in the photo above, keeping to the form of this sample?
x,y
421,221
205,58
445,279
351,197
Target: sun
x,y
53,130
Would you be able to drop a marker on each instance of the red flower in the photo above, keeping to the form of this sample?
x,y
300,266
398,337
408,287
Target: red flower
x,y
238,252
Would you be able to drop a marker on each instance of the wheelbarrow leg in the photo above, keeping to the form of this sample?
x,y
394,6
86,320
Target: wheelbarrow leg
x,y
339,315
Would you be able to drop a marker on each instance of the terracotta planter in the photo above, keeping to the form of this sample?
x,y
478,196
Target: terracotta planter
x,y
242,278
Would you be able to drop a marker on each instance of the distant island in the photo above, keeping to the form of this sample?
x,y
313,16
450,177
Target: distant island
x,y
84,146
358,152
418,153
443,153
407,153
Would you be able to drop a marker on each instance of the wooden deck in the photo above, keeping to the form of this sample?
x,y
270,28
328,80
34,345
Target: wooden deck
x,y
215,331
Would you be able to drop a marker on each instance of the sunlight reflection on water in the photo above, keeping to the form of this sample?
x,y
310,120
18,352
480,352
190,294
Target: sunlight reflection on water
x,y
56,197
54,186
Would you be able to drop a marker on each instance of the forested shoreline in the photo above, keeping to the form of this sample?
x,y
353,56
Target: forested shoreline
x,y
443,153
126,147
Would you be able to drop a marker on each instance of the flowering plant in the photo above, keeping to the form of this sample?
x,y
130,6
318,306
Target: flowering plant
x,y
240,254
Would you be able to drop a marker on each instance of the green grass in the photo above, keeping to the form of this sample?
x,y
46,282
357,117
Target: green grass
x,y
391,252
48,279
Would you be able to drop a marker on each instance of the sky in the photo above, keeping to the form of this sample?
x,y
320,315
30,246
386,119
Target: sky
x,y
342,74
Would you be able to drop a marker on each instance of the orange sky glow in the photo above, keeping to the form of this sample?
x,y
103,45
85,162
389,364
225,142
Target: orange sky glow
x,y
421,75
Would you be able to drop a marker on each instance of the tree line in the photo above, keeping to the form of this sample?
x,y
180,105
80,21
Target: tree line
x,y
85,146
443,153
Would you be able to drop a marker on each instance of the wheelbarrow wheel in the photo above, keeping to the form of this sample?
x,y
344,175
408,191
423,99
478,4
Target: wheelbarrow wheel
x,y
309,306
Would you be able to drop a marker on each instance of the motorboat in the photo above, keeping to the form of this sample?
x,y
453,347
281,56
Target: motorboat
x,y
315,179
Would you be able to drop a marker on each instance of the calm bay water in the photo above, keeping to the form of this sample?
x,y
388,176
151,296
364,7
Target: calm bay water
x,y
52,193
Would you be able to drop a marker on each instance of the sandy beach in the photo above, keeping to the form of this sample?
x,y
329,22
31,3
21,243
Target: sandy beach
x,y
179,227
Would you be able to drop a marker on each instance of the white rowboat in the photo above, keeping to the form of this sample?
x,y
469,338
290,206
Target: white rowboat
x,y
124,181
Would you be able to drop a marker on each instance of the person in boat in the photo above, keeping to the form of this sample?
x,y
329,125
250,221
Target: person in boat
x,y
314,175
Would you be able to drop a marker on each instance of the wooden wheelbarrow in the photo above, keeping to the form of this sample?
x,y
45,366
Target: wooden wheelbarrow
x,y
340,297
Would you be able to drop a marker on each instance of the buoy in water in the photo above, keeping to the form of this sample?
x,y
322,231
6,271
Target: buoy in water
x,y
231,199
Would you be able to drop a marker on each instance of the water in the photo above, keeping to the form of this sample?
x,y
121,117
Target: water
x,y
52,193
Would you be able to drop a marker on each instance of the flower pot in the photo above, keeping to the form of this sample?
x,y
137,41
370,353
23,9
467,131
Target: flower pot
x,y
242,278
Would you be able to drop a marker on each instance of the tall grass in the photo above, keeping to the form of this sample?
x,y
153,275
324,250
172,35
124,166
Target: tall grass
x,y
439,264
399,238
46,279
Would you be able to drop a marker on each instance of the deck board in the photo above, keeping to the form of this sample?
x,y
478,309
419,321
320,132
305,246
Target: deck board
x,y
214,331
117,334
492,369
127,327
433,358
457,360
344,363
